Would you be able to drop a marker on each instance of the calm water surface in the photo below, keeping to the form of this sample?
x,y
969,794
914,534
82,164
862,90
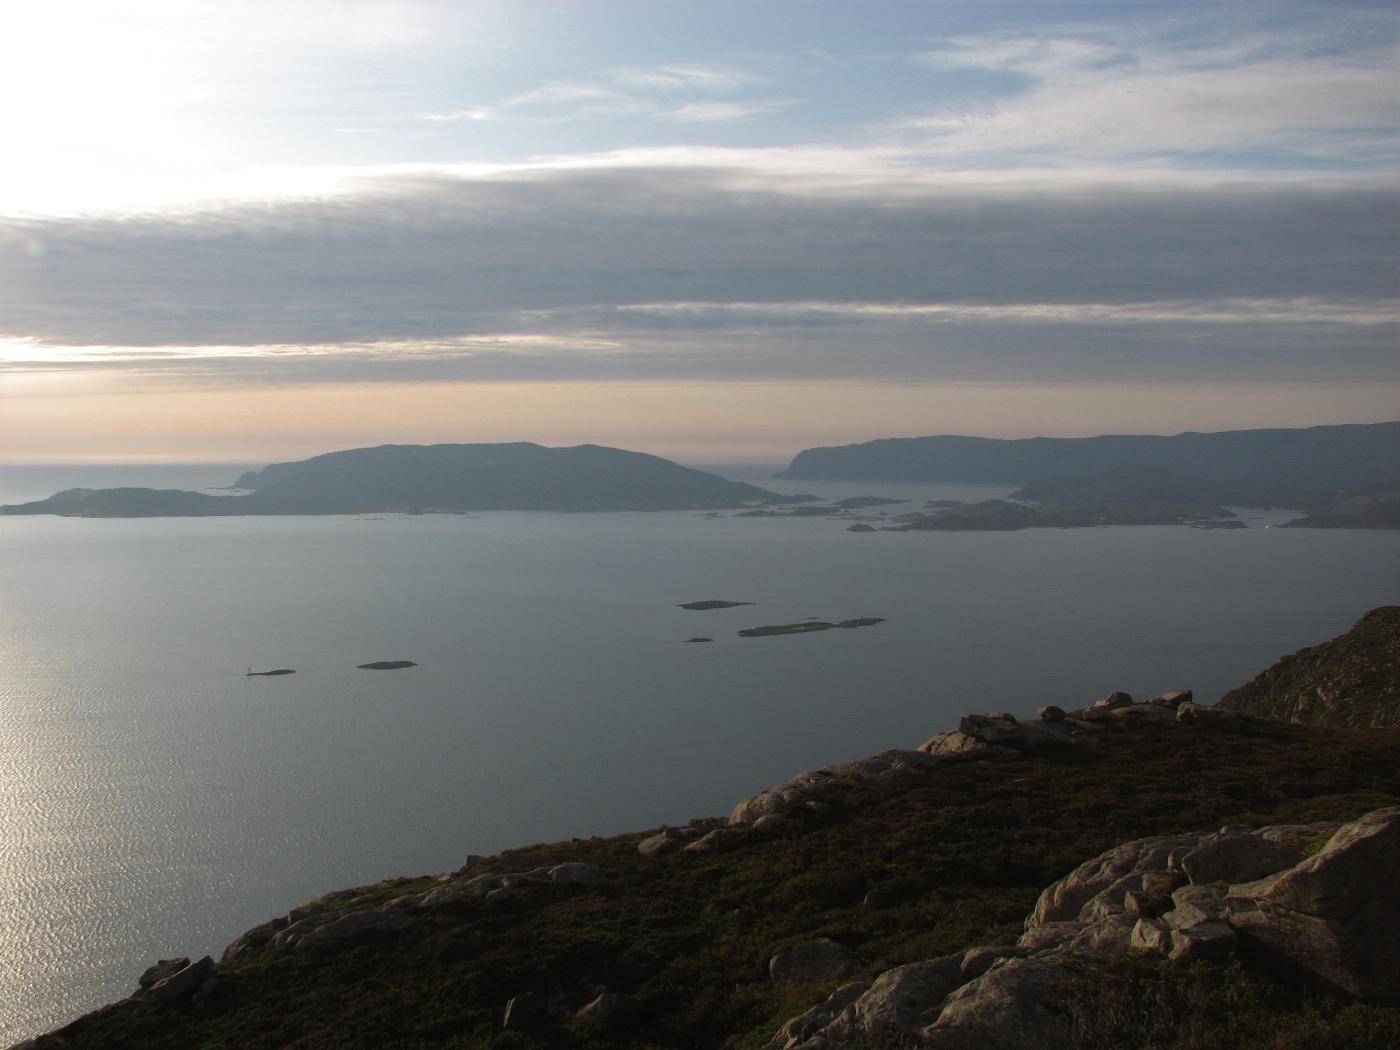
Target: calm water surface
x,y
154,801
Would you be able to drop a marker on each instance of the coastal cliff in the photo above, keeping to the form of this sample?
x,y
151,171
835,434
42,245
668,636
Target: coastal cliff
x,y
1018,882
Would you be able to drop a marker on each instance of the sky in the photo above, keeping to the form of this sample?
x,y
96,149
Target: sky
x,y
719,231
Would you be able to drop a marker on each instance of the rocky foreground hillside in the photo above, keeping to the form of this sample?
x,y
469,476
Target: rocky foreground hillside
x,y
1351,681
1152,874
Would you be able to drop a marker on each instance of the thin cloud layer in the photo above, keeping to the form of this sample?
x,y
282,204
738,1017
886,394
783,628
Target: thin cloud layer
x,y
1289,97
676,273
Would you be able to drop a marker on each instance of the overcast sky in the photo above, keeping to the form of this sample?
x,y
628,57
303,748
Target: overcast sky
x,y
714,230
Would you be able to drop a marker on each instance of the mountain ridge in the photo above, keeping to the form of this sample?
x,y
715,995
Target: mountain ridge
x,y
1291,467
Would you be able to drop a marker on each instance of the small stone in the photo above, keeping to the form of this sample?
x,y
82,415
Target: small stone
x,y
1192,905
524,1011
180,985
161,970
610,1006
977,961
1141,904
1149,935
662,842
1162,883
1234,857
575,872
1175,698
1051,713
718,841
1199,714
1212,941
822,960
1142,713
1117,698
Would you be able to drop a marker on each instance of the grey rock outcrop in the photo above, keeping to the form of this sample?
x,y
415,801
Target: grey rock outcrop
x,y
1233,855
790,792
1335,915
1121,866
1173,699
993,735
1198,713
162,969
179,985
798,1030
346,927
1004,1009
662,842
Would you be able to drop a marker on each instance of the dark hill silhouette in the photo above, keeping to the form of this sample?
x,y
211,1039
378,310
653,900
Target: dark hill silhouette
x,y
1291,468
516,476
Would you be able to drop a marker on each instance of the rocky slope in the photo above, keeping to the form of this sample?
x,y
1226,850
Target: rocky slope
x,y
1351,681
984,889
1328,919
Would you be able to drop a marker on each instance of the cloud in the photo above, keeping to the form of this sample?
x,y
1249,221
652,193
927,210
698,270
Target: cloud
x,y
466,113
1313,94
723,273
711,112
556,91
655,92
686,78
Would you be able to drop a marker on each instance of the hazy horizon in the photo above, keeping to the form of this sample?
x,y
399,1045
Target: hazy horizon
x,y
755,461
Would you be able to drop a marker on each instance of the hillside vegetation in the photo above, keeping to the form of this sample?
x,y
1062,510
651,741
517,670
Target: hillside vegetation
x,y
1351,681
895,868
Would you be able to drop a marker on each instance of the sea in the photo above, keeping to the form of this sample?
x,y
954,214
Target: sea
x,y
155,800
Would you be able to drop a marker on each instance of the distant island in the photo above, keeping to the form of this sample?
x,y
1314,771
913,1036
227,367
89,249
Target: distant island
x,y
1282,467
1123,496
419,478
